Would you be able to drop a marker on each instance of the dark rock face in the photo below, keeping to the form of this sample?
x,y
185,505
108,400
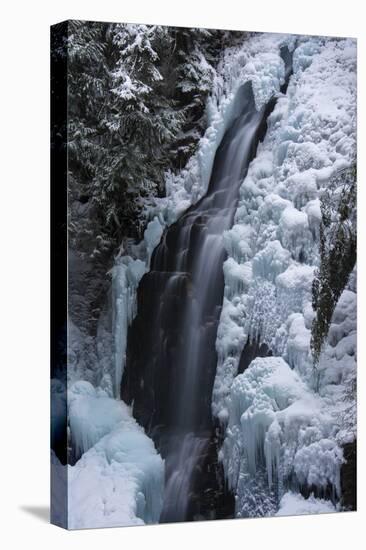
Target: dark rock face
x,y
349,476
87,290
252,349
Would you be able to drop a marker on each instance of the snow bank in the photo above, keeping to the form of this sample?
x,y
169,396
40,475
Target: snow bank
x,y
283,435
118,481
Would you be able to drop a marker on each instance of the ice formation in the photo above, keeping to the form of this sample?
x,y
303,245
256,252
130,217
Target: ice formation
x,y
120,479
126,275
285,422
282,429
92,415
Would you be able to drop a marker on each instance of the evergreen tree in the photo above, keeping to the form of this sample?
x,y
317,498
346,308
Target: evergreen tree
x,y
136,109
338,243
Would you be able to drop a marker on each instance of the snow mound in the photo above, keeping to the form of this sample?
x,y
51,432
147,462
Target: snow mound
x,y
120,480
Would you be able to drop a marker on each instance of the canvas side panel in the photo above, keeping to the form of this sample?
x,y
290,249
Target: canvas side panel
x,y
59,274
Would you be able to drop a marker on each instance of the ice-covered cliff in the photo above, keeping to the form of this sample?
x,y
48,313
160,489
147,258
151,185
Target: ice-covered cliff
x,y
283,420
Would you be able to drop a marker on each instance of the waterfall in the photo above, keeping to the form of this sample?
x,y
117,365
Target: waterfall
x,y
171,356
201,229
186,285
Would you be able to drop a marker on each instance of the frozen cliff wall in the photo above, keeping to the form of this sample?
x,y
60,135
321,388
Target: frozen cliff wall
x,y
272,254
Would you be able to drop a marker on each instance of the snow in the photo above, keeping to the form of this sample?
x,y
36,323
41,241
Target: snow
x,y
294,231
120,480
294,504
337,368
298,343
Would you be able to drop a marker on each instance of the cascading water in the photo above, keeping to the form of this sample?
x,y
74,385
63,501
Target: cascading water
x,y
171,357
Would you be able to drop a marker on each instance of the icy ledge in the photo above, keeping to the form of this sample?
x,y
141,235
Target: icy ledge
x,y
119,480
